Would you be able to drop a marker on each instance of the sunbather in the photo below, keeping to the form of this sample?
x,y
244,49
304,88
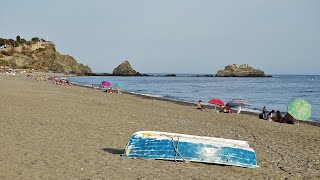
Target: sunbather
x,y
227,109
200,106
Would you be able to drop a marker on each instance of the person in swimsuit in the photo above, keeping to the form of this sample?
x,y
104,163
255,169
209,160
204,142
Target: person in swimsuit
x,y
200,106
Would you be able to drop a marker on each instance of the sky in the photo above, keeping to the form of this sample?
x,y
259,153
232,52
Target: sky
x,y
174,36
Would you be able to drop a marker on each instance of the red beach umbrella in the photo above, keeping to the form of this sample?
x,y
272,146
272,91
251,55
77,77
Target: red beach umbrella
x,y
216,102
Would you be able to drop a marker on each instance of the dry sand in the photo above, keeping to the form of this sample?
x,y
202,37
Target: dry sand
x,y
55,132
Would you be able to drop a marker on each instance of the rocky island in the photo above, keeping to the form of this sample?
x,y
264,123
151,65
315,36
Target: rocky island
x,y
38,54
125,69
243,70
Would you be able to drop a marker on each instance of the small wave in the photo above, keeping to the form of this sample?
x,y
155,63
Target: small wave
x,y
87,85
151,95
145,94
307,91
83,85
76,83
170,97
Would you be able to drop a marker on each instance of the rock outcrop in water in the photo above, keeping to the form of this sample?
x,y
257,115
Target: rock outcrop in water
x,y
171,75
38,54
125,69
243,70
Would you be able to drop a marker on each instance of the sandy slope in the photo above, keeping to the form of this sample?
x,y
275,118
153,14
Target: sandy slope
x,y
54,132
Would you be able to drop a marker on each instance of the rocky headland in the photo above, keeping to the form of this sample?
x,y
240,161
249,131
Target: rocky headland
x,y
38,54
243,70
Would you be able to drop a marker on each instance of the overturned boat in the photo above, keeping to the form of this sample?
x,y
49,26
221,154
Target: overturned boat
x,y
182,147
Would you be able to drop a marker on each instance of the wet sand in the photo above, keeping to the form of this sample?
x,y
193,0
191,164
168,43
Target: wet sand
x,y
69,132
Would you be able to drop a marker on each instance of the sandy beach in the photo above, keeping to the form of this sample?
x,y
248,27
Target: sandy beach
x,y
69,132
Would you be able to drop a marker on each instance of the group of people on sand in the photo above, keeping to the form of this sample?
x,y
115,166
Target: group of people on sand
x,y
61,81
39,78
273,115
225,109
276,116
108,89
44,77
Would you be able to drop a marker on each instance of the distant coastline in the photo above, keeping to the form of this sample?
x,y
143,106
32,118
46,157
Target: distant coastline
x,y
172,75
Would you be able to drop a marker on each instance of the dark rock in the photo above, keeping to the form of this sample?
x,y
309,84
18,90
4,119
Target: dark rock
x,y
125,69
98,74
205,75
171,75
243,70
145,75
108,74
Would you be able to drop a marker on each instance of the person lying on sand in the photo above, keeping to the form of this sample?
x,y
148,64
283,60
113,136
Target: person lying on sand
x,y
288,119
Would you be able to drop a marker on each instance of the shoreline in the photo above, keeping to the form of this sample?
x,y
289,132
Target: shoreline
x,y
184,103
256,98
313,123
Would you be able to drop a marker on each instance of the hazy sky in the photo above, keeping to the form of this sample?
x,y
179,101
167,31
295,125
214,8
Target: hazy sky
x,y
174,36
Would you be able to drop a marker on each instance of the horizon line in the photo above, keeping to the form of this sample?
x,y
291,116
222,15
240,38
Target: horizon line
x,y
213,73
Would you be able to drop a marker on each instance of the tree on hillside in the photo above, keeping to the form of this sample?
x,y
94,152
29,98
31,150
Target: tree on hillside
x,y
12,42
23,41
3,42
18,38
35,39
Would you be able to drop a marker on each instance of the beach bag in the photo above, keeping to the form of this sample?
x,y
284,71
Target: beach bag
x,y
261,116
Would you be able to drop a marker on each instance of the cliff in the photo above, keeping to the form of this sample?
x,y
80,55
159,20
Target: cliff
x,y
39,55
243,70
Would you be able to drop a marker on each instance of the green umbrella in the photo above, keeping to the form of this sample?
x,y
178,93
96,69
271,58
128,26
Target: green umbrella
x,y
299,109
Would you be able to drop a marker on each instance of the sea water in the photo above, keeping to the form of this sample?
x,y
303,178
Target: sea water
x,y
273,92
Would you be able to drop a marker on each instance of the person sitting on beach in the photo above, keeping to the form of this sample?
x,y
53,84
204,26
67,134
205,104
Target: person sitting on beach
x,y
110,90
200,106
118,90
278,117
288,119
226,109
100,87
66,82
271,115
54,79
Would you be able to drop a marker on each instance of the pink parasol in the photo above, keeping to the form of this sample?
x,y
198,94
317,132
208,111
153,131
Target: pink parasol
x,y
105,83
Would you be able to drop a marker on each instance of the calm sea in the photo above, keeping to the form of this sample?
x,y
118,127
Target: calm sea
x,y
274,93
